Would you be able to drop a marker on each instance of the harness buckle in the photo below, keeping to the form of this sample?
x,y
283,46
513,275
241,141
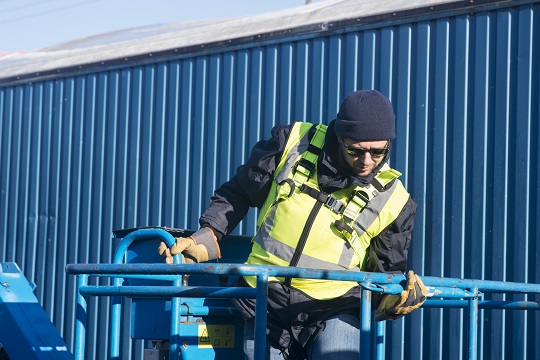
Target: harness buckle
x,y
362,195
335,204
331,201
344,229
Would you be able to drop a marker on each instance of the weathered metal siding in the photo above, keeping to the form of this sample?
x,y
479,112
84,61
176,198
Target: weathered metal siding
x,y
147,145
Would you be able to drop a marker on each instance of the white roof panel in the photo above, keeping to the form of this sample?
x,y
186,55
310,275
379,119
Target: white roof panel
x,y
152,39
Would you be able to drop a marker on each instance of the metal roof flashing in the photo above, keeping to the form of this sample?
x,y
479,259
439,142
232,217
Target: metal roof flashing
x,y
151,44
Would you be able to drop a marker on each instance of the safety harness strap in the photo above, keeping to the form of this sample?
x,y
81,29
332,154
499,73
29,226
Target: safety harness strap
x,y
305,167
328,200
345,226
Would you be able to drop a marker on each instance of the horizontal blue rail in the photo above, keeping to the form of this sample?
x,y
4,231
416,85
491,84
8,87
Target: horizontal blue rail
x,y
169,291
378,282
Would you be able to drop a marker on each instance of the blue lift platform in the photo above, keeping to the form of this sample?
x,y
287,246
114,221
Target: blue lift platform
x,y
184,310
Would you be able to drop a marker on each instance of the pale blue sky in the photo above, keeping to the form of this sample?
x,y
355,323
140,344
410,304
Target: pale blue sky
x,y
33,24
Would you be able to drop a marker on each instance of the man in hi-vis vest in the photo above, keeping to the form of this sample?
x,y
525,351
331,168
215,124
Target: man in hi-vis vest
x,y
327,200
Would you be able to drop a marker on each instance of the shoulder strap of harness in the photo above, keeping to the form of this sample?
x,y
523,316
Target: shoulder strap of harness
x,y
305,167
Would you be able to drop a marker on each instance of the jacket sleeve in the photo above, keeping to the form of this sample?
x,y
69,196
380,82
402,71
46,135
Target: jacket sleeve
x,y
388,252
248,188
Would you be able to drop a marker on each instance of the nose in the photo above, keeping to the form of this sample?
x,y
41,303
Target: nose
x,y
365,158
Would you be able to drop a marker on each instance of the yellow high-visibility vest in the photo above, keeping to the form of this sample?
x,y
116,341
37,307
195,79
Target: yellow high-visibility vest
x,y
301,226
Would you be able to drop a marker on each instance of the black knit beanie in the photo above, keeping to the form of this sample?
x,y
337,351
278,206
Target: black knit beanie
x,y
366,115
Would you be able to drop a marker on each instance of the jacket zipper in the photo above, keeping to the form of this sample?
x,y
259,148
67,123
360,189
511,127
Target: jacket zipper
x,y
303,237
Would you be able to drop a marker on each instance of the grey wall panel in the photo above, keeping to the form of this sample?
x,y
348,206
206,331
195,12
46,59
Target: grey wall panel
x,y
147,144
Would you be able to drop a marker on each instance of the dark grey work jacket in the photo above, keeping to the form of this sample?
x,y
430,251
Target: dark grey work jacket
x,y
251,184
249,188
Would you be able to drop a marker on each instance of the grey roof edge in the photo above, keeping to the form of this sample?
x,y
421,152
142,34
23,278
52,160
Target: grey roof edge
x,y
54,62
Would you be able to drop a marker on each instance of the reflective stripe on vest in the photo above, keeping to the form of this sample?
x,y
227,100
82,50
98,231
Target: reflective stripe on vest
x,y
288,213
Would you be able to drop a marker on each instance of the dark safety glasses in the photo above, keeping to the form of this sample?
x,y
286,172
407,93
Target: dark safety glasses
x,y
357,152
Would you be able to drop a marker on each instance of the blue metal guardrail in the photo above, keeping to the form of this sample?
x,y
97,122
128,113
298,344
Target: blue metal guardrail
x,y
443,293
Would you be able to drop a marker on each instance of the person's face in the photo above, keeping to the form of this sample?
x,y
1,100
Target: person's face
x,y
363,156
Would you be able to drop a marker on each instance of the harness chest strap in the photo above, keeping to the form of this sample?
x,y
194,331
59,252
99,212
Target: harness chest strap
x,y
339,207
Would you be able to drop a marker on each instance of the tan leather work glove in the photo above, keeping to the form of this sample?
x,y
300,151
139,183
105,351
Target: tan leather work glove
x,y
191,251
393,307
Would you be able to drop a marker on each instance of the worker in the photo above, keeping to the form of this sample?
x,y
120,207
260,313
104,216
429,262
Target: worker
x,y
328,200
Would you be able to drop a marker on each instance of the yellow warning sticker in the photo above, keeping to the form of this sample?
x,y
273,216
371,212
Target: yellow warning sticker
x,y
216,336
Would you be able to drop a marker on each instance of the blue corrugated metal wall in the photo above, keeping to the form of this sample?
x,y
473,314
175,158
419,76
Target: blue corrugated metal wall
x,y
147,144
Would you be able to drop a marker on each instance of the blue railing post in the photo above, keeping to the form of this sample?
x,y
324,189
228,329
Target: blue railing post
x,y
365,325
174,346
80,324
473,325
116,314
379,344
260,315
